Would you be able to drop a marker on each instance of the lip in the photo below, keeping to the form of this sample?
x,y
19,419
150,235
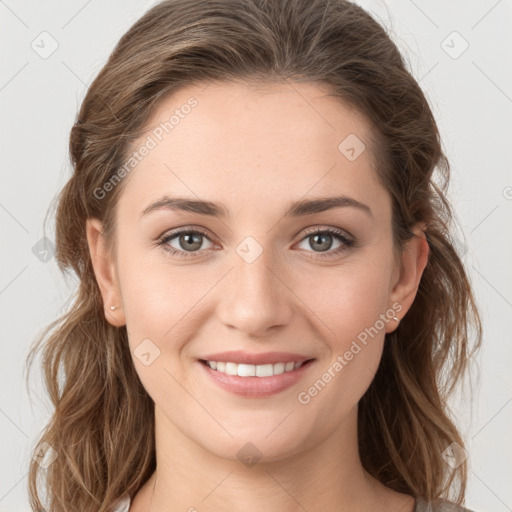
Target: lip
x,y
256,387
241,357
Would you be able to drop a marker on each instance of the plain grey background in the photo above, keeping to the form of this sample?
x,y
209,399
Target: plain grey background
x,y
460,51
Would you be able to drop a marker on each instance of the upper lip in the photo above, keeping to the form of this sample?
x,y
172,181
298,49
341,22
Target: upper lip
x,y
241,357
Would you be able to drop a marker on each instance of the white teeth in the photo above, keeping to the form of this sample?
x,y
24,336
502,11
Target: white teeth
x,y
278,368
246,370
251,370
231,368
264,370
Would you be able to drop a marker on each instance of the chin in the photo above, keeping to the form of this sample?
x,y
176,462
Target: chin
x,y
255,446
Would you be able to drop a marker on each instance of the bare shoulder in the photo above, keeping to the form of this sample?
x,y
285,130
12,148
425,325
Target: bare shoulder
x,y
439,505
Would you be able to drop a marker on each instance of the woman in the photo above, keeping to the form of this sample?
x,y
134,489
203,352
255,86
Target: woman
x,y
215,358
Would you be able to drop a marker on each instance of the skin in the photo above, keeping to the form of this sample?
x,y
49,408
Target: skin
x,y
256,150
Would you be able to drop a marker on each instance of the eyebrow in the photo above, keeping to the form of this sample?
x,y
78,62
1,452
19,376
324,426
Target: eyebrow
x,y
297,209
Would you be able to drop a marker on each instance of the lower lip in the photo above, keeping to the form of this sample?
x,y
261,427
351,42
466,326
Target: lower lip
x,y
256,387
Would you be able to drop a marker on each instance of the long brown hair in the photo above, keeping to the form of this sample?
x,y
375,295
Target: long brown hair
x,y
101,407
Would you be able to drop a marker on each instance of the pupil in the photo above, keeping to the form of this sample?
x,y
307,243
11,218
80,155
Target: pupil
x,y
189,241
326,245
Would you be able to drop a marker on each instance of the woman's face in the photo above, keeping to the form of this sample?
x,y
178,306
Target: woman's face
x,y
256,280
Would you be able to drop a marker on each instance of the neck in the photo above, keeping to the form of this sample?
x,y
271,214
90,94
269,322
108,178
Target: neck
x,y
328,476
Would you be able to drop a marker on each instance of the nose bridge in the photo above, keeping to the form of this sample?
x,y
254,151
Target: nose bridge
x,y
256,300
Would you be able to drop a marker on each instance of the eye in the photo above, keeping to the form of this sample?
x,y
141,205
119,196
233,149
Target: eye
x,y
188,242
322,239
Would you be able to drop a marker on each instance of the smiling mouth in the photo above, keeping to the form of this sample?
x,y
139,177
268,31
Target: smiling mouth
x,y
251,370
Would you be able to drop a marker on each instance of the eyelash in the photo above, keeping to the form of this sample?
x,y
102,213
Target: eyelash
x,y
338,234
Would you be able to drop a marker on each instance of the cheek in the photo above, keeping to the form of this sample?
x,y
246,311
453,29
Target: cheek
x,y
353,345
351,304
349,298
156,294
158,303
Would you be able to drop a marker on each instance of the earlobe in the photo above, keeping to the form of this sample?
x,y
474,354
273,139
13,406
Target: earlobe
x,y
104,271
414,259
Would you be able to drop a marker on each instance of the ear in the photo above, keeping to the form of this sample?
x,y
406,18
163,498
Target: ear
x,y
104,270
414,259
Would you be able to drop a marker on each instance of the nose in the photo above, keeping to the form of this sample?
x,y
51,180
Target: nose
x,y
255,298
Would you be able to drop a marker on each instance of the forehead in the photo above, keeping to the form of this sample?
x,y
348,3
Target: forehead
x,y
254,146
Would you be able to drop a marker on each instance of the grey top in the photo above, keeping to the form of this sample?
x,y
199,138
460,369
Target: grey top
x,y
421,506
